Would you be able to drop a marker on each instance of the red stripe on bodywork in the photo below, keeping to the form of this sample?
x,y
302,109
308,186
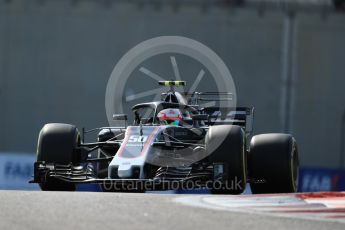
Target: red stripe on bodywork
x,y
128,133
149,141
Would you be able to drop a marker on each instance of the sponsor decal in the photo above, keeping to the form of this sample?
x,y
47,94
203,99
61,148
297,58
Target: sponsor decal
x,y
320,179
16,170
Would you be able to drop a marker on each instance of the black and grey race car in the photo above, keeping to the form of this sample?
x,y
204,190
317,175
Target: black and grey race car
x,y
208,147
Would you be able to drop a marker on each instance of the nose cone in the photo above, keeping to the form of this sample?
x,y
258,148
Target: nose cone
x,y
125,171
120,171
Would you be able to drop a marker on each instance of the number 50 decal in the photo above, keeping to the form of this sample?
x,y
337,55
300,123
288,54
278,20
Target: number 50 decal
x,y
137,138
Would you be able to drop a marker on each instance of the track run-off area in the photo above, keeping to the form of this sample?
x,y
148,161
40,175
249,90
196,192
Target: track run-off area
x,y
90,210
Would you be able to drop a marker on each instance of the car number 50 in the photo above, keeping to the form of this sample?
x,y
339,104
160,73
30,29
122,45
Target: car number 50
x,y
137,138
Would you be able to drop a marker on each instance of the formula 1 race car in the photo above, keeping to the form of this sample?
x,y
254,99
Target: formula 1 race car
x,y
173,143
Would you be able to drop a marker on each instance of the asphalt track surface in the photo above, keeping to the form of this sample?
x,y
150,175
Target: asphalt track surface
x,y
85,210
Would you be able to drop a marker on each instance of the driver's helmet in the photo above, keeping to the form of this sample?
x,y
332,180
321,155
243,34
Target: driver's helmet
x,y
170,117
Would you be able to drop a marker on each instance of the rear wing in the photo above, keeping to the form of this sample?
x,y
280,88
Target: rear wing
x,y
198,98
241,116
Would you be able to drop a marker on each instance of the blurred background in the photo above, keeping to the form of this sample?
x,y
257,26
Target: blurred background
x,y
287,59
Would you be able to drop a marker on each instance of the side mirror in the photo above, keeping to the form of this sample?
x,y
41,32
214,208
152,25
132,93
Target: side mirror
x,y
144,120
120,117
200,117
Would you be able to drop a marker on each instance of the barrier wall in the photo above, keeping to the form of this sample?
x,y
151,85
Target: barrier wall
x,y
56,58
16,170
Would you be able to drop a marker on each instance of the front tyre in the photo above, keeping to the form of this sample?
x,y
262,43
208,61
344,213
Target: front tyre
x,y
273,163
57,144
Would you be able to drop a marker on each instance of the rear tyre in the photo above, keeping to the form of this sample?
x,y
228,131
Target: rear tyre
x,y
226,144
273,163
57,144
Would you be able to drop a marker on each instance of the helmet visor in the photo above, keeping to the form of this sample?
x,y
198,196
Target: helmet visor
x,y
172,122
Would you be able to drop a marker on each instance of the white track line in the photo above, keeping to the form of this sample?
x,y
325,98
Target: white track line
x,y
286,205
